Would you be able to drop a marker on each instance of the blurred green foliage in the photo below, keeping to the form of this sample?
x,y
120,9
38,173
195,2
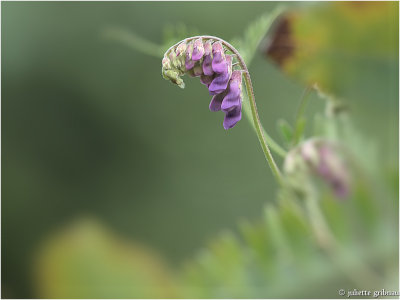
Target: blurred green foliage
x,y
87,261
91,128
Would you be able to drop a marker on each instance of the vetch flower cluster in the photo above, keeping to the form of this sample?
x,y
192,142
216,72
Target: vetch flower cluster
x,y
206,58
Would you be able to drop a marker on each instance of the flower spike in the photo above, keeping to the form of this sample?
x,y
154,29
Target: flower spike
x,y
207,60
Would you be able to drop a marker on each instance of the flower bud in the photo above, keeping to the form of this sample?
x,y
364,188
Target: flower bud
x,y
166,63
177,62
310,153
181,49
198,70
321,158
198,50
218,62
188,61
173,76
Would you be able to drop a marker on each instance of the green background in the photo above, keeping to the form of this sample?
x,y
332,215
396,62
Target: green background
x,y
90,128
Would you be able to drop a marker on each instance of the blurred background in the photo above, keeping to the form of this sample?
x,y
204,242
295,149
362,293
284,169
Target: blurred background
x,y
104,161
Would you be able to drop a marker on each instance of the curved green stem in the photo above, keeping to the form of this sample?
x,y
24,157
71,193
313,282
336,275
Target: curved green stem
x,y
275,147
253,106
259,131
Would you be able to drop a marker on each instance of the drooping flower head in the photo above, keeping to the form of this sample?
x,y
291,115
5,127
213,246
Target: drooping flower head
x,y
206,58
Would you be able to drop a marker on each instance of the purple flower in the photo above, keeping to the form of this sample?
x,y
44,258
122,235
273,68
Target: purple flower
x,y
233,97
216,101
230,101
208,61
322,158
232,117
198,50
221,80
218,62
189,63
333,171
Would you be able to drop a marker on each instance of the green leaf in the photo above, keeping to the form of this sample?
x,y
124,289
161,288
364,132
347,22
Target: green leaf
x,y
285,130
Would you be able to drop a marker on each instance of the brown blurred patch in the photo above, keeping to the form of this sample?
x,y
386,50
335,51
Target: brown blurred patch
x,y
281,45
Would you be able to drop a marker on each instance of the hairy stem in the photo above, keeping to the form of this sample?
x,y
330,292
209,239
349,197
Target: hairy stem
x,y
253,106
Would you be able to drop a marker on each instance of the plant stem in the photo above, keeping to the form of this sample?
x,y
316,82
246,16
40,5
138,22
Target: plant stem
x,y
275,147
259,131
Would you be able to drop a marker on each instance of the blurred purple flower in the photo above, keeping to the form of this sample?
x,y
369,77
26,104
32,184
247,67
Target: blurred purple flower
x,y
323,159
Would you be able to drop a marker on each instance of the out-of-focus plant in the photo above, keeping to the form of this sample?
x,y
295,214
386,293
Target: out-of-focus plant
x,y
85,260
334,224
340,47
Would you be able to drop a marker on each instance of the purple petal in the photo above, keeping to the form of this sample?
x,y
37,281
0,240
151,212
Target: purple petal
x,y
208,47
219,60
189,64
198,50
221,80
219,84
232,98
207,65
215,104
232,117
219,64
